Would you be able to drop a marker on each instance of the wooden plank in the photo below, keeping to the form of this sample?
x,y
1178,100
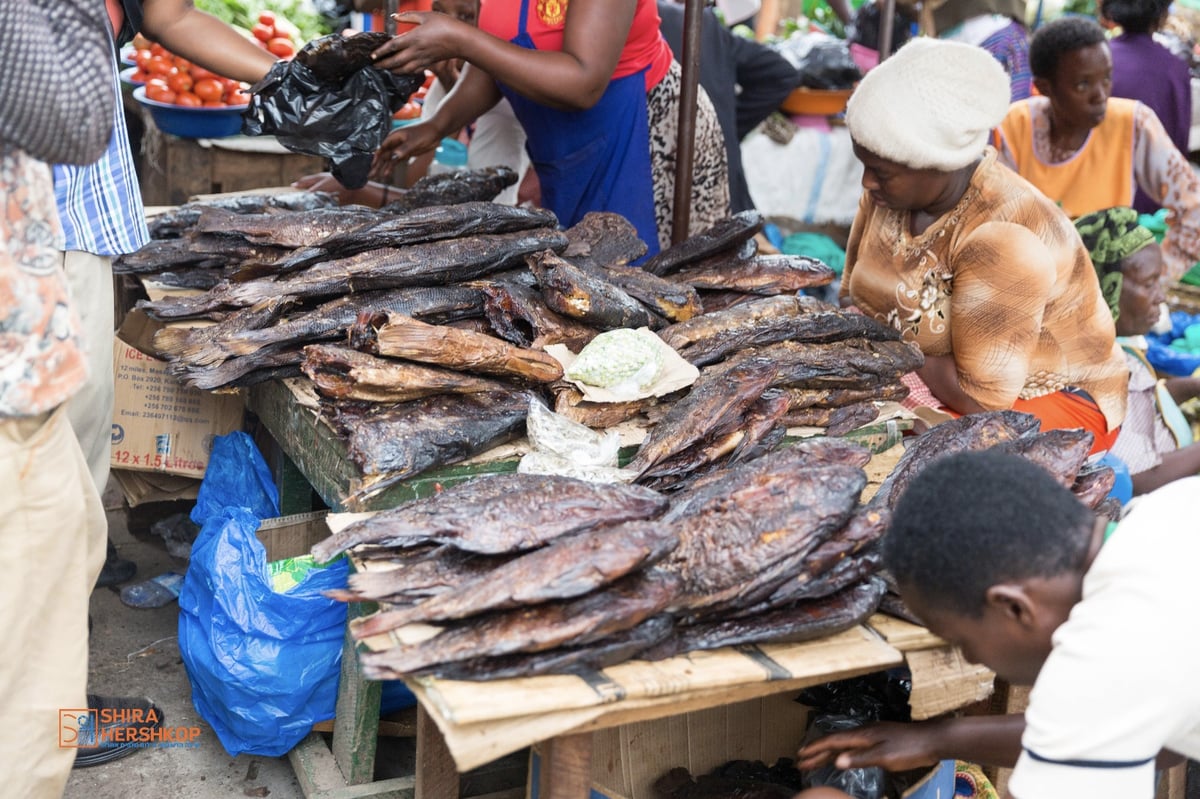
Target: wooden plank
x,y
314,765
356,717
436,776
903,635
1008,699
566,770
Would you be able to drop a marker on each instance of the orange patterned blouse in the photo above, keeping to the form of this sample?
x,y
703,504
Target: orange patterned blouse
x,y
1002,283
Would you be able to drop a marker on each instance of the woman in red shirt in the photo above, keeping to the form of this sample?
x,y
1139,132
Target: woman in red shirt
x,y
595,87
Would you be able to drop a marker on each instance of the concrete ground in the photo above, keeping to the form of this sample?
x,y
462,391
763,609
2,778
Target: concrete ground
x,y
134,652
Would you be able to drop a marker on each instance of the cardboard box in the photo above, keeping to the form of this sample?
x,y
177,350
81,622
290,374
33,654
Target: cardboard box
x,y
291,536
142,487
158,424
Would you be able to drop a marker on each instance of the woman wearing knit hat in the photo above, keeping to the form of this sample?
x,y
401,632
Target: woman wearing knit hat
x,y
1155,441
1089,151
966,258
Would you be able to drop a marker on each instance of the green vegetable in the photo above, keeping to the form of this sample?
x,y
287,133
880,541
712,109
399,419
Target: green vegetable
x,y
244,14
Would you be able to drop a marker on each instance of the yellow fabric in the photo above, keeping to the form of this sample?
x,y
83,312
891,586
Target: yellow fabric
x,y
1098,176
1001,282
53,537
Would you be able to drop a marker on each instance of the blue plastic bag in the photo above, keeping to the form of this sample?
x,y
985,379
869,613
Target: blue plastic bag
x,y
263,666
1166,359
236,477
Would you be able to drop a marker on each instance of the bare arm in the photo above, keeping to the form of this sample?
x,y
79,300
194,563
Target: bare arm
x,y
204,39
990,740
1183,462
941,375
573,78
1165,175
1183,389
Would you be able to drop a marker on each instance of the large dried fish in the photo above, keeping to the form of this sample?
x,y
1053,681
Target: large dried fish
x,y
296,229
608,651
174,222
586,296
396,442
501,513
432,263
676,302
762,274
603,239
569,402
173,343
520,315
420,225
853,363
724,235
242,334
424,571
817,327
398,336
570,566
580,621
836,421
1061,453
720,323
269,363
801,398
334,58
804,621
451,188
973,432
712,399
344,373
1093,485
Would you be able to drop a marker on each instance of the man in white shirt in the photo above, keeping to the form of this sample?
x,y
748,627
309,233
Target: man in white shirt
x,y
999,559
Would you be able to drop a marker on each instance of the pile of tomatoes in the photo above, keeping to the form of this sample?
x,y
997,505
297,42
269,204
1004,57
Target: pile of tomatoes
x,y
273,34
173,79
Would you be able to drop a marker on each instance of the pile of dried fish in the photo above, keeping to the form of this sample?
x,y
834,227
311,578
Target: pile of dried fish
x,y
527,574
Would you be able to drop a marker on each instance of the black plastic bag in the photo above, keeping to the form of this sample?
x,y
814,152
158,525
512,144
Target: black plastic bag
x,y
823,61
330,101
865,28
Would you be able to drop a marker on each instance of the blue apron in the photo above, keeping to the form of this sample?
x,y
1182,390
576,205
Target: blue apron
x,y
593,160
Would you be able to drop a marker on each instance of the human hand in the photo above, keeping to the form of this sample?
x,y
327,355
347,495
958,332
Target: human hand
x,y
447,72
323,181
891,746
402,144
437,37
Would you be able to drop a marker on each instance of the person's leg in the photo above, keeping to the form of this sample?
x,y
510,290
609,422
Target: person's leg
x,y
52,525
90,410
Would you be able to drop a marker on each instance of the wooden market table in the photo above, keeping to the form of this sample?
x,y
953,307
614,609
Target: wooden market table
x,y
463,725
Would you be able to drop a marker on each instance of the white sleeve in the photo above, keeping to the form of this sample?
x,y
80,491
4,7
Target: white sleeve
x,y
499,140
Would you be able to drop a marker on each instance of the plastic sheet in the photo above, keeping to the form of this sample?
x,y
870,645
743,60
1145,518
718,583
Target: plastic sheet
x,y
329,101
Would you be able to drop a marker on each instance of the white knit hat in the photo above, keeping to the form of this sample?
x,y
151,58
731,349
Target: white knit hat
x,y
931,105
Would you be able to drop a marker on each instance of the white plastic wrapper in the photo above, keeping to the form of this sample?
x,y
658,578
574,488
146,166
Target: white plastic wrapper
x,y
553,434
537,462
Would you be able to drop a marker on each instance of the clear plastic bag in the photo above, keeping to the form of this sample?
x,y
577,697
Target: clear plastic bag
x,y
570,449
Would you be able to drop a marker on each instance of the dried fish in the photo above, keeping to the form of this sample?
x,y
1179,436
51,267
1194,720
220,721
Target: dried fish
x,y
762,274
344,373
295,229
727,234
174,222
451,188
586,296
1093,485
836,421
398,336
570,566
1060,452
520,315
581,621
501,513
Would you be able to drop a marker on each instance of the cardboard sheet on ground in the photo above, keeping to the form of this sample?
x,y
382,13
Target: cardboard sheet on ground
x,y
676,373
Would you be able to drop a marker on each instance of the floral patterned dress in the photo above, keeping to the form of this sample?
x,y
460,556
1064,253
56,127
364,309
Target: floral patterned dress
x,y
1002,283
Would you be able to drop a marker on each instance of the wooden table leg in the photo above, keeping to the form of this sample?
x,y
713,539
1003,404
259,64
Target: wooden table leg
x,y
356,719
566,771
436,775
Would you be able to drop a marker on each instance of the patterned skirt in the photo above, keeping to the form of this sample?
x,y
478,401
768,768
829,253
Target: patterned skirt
x,y
710,173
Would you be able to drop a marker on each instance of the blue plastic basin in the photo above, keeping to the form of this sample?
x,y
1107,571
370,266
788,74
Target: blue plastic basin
x,y
190,122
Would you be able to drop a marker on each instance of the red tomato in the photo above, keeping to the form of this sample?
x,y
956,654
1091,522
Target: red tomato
x,y
137,76
158,49
208,89
180,82
157,81
213,104
238,97
281,47
182,63
200,73
264,33
159,94
267,18
142,59
159,65
409,110
188,99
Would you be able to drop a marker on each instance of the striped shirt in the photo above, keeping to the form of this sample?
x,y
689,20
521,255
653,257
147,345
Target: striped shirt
x,y
100,205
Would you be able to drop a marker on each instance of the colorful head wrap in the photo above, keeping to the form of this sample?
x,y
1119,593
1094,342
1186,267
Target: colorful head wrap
x,y
1111,236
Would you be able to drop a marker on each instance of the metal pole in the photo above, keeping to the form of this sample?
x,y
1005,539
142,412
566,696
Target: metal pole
x,y
689,94
885,29
389,25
